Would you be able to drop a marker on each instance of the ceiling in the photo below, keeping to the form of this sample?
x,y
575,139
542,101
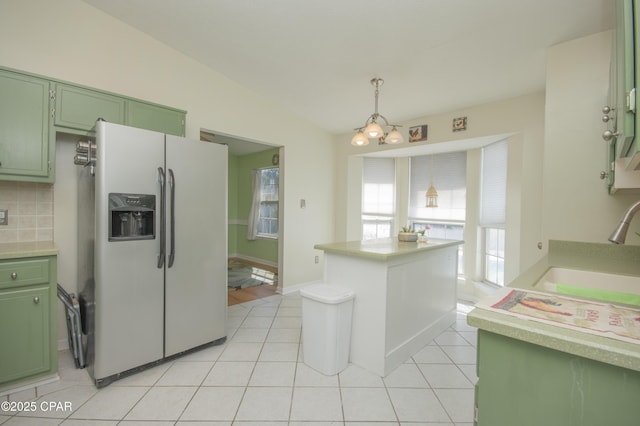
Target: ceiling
x,y
317,57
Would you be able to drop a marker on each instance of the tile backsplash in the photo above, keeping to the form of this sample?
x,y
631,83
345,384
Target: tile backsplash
x,y
30,208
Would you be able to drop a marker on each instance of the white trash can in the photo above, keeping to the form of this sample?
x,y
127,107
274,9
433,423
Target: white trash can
x,y
326,327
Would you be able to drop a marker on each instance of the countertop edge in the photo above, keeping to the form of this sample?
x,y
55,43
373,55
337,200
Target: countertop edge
x,y
598,348
348,248
27,249
572,255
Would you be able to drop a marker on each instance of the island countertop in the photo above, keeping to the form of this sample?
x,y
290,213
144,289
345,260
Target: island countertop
x,y
27,249
384,248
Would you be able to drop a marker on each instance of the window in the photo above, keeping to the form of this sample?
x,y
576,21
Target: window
x,y
494,255
448,173
493,195
268,213
378,197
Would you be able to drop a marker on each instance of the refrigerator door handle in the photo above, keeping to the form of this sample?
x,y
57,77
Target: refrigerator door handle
x,y
172,207
162,213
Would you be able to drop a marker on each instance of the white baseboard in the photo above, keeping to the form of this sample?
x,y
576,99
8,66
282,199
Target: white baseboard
x,y
63,344
296,288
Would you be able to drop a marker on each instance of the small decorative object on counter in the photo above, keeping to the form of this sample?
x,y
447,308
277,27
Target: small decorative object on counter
x,y
408,235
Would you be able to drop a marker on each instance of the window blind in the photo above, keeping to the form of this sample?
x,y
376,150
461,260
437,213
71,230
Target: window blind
x,y
493,189
448,173
378,182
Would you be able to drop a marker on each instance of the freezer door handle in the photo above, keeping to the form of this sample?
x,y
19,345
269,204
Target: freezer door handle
x,y
172,207
162,212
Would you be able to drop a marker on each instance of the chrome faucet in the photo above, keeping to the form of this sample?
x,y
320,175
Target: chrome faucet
x,y
620,233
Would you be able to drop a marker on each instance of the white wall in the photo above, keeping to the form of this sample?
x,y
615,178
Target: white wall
x,y
555,157
576,204
72,41
523,118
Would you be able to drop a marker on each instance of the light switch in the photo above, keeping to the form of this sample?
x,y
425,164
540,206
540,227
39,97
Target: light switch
x,y
303,203
4,217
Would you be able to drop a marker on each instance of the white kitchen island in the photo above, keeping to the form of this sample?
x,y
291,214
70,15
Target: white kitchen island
x,y
405,295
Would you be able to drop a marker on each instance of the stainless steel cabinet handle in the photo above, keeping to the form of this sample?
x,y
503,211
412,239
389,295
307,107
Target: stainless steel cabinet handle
x,y
162,227
36,300
14,275
172,206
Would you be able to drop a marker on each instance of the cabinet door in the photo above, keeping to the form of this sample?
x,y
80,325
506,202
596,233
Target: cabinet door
x,y
633,153
624,69
79,108
24,126
529,385
25,333
155,117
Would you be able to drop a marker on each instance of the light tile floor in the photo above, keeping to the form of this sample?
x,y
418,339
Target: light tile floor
x,y
258,378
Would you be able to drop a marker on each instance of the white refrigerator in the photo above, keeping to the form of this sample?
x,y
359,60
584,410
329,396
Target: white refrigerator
x,y
158,287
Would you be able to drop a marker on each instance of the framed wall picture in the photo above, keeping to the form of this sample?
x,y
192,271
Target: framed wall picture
x,y
459,124
418,133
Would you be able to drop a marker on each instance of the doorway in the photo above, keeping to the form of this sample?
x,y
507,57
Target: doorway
x,y
254,216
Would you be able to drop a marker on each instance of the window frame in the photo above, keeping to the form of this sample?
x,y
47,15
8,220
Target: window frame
x,y
267,203
498,254
379,218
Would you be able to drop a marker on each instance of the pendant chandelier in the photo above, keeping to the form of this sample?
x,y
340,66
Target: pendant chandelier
x,y
373,130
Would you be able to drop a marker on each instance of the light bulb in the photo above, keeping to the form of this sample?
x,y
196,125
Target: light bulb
x,y
360,139
373,130
394,136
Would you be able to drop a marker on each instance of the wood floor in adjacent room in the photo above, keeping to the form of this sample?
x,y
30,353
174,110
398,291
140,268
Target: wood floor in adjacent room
x,y
235,297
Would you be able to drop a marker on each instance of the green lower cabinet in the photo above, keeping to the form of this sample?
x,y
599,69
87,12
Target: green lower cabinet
x,y
155,117
28,314
25,333
24,128
79,108
528,385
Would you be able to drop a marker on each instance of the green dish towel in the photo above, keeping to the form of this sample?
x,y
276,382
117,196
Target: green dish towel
x,y
605,295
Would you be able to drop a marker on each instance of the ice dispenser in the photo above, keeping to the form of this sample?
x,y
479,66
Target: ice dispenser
x,y
132,217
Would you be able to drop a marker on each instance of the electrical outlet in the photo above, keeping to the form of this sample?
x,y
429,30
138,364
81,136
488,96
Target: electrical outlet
x,y
4,217
317,259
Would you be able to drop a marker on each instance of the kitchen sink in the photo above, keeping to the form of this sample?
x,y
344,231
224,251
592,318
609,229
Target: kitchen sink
x,y
594,285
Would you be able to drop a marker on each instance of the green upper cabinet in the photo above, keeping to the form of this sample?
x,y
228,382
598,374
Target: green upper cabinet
x,y
155,117
633,153
79,108
33,108
623,77
24,128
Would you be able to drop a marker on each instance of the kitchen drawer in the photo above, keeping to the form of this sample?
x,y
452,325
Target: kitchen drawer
x,y
23,272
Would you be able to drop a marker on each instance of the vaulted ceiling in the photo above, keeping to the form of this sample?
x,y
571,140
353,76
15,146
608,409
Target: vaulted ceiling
x,y
317,57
